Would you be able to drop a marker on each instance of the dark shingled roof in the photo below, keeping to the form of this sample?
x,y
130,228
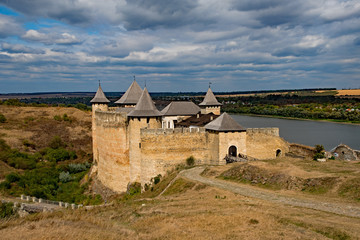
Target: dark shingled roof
x,y
224,123
99,97
198,120
180,109
132,95
145,107
210,99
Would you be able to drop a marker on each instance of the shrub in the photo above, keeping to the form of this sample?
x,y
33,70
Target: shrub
x,y
75,168
190,161
6,210
66,118
27,143
65,177
12,177
133,188
320,153
56,143
57,118
2,118
157,179
59,154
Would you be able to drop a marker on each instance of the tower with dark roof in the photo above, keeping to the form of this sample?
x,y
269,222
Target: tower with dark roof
x,y
131,96
210,104
144,115
99,102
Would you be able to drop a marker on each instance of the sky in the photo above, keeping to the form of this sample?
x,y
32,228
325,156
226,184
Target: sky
x,y
178,46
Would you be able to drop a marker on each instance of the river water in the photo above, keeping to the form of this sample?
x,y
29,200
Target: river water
x,y
307,132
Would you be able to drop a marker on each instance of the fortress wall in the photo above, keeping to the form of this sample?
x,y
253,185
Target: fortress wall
x,y
264,144
267,131
135,126
163,150
112,150
227,139
302,150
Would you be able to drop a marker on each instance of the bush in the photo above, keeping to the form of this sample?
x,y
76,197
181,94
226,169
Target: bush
x,y
57,118
59,154
157,179
320,153
56,143
190,161
12,177
2,118
75,168
65,177
6,210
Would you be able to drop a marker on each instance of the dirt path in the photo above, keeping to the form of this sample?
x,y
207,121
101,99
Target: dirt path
x,y
346,210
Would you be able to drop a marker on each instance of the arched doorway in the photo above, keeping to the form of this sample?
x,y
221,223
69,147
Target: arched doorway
x,y
278,153
232,151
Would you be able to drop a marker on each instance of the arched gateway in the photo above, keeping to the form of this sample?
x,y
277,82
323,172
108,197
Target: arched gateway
x,y
232,151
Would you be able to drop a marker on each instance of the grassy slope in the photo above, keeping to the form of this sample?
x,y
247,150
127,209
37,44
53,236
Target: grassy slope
x,y
188,211
37,126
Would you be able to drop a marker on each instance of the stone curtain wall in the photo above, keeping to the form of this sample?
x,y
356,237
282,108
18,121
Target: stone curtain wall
x,y
162,150
112,150
262,143
267,131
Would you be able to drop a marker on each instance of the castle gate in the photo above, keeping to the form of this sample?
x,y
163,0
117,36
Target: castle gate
x,y
232,151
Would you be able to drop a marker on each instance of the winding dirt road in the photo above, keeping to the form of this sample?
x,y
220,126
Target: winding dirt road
x,y
346,210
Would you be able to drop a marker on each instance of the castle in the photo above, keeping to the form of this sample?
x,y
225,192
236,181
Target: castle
x,y
135,142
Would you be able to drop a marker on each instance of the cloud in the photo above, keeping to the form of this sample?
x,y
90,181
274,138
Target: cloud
x,y
51,38
18,48
9,26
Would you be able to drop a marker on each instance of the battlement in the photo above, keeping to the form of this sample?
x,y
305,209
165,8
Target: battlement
x,y
267,131
110,118
169,131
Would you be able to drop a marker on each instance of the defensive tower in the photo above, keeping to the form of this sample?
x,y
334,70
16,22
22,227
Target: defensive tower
x,y
210,104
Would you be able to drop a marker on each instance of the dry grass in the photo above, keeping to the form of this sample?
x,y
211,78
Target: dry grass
x,y
37,125
350,92
193,214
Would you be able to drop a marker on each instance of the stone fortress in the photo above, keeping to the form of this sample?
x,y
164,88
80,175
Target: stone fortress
x,y
135,142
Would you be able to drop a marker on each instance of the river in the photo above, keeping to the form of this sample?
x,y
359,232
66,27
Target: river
x,y
307,132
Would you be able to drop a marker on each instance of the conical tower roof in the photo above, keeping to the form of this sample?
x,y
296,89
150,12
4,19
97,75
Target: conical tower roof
x,y
100,96
145,107
225,123
210,99
132,95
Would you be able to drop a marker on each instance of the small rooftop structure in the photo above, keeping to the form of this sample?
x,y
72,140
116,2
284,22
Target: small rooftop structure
x,y
131,96
198,120
99,96
210,99
224,123
181,108
145,107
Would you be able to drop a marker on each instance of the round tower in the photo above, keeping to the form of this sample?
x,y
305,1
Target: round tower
x,y
99,102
